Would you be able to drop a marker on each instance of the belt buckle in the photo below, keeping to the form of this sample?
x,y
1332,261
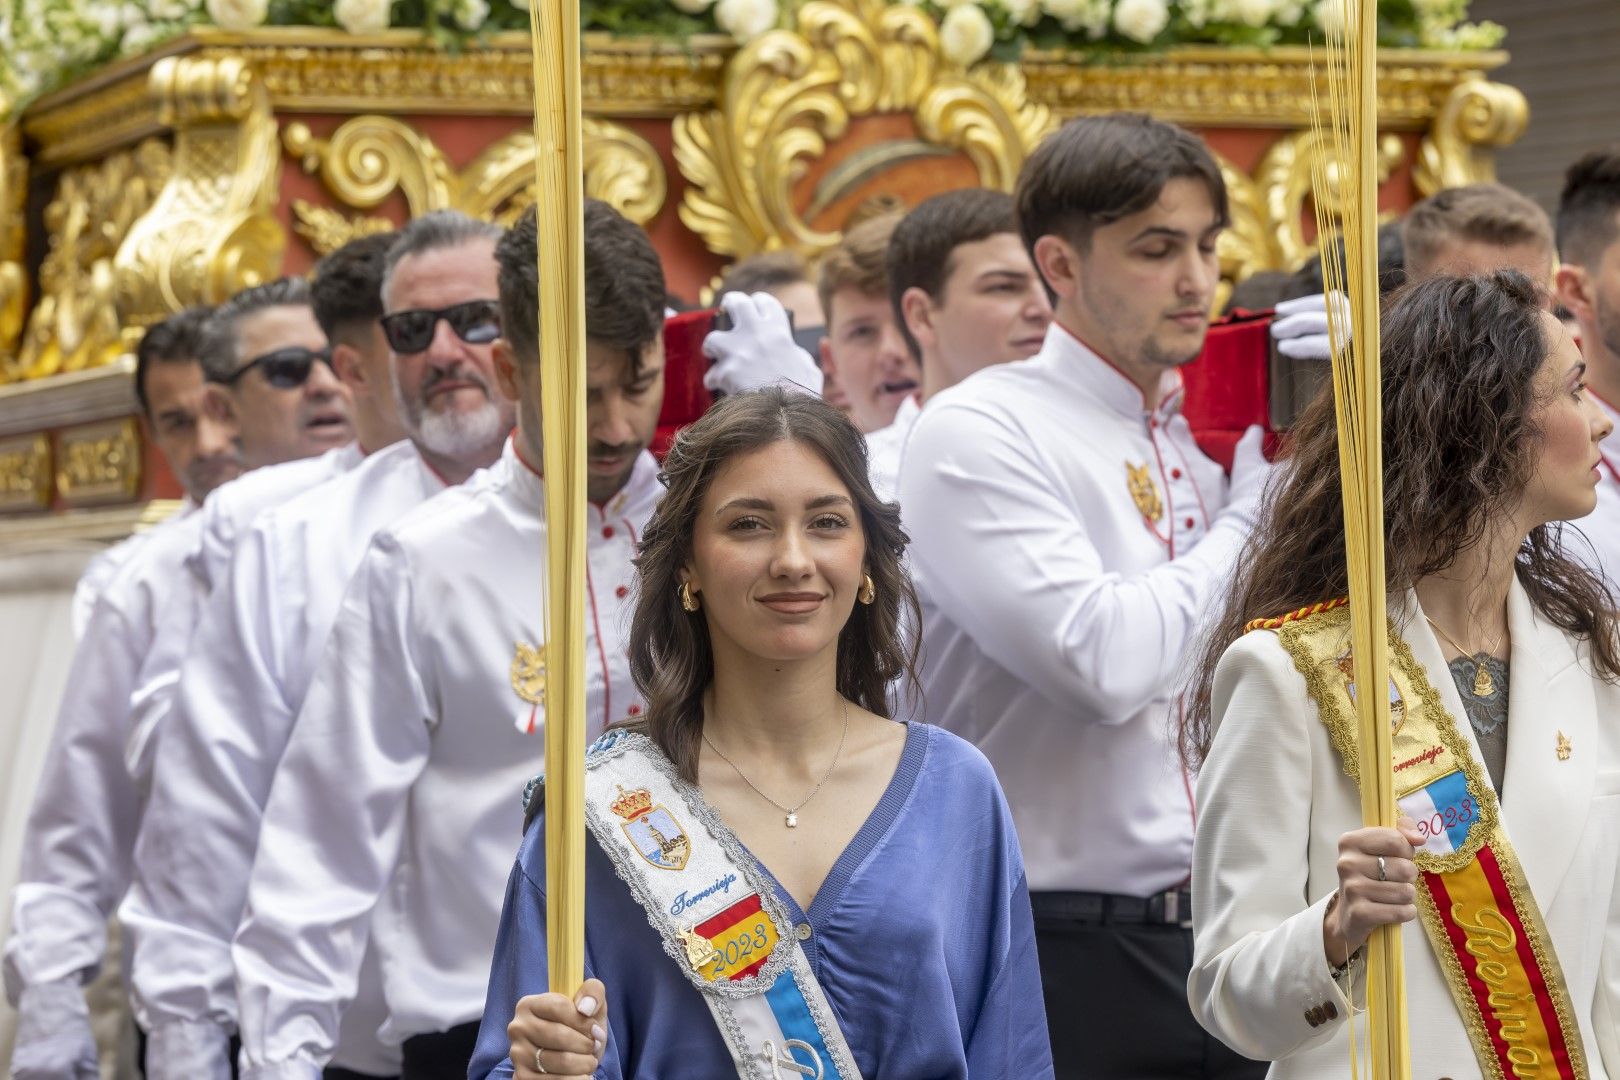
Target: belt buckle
x,y
1172,909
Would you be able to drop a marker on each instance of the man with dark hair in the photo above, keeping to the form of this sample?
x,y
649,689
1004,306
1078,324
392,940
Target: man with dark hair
x,y
75,849
1588,287
965,297
1067,536
785,276
262,631
347,297
425,714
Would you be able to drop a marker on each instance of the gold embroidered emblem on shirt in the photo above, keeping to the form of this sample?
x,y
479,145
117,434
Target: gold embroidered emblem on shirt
x,y
529,673
1144,491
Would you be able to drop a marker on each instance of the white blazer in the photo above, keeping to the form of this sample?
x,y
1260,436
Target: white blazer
x,y
1273,801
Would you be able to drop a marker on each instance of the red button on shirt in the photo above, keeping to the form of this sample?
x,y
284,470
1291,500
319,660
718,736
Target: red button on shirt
x,y
607,532
622,591
1175,474
1190,523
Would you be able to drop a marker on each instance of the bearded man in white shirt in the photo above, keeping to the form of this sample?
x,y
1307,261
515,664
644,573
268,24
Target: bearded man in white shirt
x,y
965,296
1068,535
75,848
1588,287
261,630
398,789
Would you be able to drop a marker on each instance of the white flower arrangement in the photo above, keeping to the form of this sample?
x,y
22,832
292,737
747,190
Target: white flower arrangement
x,y
49,42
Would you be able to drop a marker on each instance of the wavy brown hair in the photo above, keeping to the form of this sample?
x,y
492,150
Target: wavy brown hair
x,y
1460,356
671,658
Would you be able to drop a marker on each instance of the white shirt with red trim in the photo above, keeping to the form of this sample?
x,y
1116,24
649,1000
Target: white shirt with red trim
x,y
398,800
1600,549
1059,607
240,687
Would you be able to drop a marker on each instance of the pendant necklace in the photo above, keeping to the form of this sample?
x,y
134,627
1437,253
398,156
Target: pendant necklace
x,y
792,812
1484,685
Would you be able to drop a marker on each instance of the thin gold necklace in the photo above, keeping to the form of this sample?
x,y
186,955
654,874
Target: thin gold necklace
x,y
792,820
1484,685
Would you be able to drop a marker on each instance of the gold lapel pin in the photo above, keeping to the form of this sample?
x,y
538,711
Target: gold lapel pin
x,y
1563,747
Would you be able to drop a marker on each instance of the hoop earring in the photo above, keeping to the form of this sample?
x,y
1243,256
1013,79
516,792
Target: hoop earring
x,y
688,601
868,591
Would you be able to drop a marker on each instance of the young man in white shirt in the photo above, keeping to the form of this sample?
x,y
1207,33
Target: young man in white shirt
x,y
965,296
863,354
1588,287
261,629
398,789
1068,535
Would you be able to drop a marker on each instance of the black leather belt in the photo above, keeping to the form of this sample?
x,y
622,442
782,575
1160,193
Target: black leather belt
x,y
1170,908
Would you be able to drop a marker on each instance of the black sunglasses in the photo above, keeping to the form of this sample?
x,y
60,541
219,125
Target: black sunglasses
x,y
477,322
284,368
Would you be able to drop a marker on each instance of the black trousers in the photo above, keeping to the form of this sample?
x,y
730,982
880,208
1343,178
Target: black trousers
x,y
1116,1005
443,1055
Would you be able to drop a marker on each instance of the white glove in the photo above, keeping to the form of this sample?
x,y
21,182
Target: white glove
x,y
1251,472
1300,328
54,1041
758,350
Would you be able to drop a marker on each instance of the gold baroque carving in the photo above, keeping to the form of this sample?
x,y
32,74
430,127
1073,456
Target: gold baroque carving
x,y
1284,180
368,158
25,473
13,244
1477,118
75,323
788,93
99,463
212,231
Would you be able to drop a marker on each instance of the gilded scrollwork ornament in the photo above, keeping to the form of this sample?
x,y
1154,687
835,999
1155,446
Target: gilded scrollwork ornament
x,y
212,230
370,158
1284,180
14,290
789,94
1477,119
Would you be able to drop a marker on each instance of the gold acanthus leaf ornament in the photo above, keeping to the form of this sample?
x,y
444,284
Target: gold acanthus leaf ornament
x,y
212,230
1477,118
790,92
1284,180
369,158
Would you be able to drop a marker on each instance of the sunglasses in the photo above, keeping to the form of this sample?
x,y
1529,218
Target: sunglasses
x,y
477,322
284,369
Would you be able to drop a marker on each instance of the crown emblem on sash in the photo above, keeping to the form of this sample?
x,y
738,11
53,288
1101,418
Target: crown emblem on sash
x,y
1144,491
659,838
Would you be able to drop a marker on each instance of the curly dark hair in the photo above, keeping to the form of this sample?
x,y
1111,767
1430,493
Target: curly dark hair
x,y
1460,356
671,658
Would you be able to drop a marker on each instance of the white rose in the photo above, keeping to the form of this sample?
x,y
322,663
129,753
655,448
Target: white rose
x,y
1141,20
137,39
470,14
1023,12
237,14
362,16
745,19
1251,12
169,10
691,7
965,34
1092,15
1330,17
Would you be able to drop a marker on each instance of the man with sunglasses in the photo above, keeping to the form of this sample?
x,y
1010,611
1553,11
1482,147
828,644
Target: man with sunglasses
x,y
425,715
265,624
75,850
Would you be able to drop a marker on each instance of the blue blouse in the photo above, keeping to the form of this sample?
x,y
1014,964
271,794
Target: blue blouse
x,y
921,939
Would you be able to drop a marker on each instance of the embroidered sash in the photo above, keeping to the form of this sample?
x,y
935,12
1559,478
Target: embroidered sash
x,y
1476,907
719,917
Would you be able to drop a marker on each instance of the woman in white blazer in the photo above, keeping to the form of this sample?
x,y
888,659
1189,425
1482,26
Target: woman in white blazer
x,y
1489,442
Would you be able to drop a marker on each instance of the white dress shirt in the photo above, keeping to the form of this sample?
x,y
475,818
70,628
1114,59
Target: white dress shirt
x,y
81,828
239,689
1056,615
225,516
1598,546
101,570
885,446
399,795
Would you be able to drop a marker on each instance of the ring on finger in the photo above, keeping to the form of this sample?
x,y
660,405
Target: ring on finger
x,y
1383,875
539,1065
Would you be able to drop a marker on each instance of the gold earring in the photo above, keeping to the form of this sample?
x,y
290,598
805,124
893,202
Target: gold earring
x,y
868,591
688,601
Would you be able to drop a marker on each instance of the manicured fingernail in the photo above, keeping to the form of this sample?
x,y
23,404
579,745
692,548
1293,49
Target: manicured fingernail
x,y
598,1034
587,1006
